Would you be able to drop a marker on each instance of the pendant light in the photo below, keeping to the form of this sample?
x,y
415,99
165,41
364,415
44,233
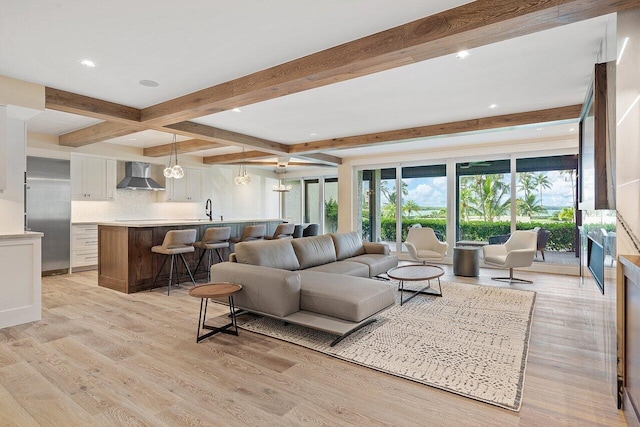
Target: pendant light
x,y
280,170
176,170
243,177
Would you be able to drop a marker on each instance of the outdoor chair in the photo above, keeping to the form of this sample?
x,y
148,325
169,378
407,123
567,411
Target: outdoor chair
x,y
543,238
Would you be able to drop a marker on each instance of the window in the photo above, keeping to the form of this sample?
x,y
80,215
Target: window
x,y
484,199
546,199
424,199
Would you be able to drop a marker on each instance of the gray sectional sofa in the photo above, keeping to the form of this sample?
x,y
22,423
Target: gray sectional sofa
x,y
321,282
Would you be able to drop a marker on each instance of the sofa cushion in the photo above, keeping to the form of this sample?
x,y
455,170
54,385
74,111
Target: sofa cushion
x,y
347,245
377,263
349,298
347,268
264,290
267,253
315,250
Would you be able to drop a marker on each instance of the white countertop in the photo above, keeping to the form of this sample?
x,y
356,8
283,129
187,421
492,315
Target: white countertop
x,y
23,235
172,222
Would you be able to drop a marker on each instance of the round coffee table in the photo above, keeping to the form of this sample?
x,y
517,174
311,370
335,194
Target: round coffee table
x,y
215,290
416,273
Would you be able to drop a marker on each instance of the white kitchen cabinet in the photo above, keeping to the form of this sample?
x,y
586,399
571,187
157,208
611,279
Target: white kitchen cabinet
x,y
84,245
111,180
185,189
92,178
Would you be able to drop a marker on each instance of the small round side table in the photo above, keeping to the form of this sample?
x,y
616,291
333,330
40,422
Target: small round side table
x,y
215,290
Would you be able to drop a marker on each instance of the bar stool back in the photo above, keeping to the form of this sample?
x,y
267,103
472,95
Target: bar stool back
x,y
215,238
283,231
249,233
311,230
176,242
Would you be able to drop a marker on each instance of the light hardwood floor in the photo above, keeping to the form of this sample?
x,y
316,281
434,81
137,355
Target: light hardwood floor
x,y
99,357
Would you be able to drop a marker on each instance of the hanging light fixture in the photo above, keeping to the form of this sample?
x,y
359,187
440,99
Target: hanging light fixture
x,y
176,170
281,187
243,178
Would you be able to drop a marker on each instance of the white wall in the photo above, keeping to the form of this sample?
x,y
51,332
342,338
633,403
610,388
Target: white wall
x,y
628,134
20,252
12,138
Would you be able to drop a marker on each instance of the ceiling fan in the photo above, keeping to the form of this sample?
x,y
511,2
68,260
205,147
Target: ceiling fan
x,y
473,164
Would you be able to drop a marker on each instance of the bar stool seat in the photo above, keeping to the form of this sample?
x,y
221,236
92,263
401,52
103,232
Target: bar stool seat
x,y
176,242
214,239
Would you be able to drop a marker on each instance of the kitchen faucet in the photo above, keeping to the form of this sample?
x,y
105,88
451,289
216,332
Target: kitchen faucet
x,y
208,210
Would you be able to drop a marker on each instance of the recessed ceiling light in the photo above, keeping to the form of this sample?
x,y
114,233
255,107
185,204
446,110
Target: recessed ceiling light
x,y
88,63
313,134
538,128
149,83
572,129
462,54
237,110
492,106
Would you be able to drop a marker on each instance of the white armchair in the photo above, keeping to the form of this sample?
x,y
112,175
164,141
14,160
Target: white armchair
x,y
518,251
423,245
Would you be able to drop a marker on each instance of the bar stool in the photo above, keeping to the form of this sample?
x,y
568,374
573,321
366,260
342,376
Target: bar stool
x,y
311,230
297,231
283,231
215,238
176,242
250,232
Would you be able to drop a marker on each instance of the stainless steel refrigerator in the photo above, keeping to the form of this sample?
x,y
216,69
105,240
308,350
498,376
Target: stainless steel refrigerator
x,y
48,210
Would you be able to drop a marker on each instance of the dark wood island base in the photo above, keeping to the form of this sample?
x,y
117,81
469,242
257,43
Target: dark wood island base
x,y
125,260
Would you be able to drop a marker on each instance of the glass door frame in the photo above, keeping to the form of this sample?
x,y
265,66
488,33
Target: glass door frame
x,y
303,197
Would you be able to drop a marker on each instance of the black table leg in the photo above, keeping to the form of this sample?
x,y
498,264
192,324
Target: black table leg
x,y
214,330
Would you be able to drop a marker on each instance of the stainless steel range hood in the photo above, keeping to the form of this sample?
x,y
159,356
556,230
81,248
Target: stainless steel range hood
x,y
137,176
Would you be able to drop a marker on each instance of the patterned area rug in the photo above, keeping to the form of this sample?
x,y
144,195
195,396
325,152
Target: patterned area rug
x,y
473,341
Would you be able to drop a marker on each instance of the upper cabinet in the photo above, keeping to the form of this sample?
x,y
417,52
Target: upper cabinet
x,y
93,178
186,189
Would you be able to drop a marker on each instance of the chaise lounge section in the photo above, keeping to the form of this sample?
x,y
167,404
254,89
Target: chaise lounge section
x,y
321,282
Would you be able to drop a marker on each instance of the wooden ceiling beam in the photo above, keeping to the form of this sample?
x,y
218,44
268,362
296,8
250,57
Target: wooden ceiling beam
x,y
97,133
60,100
471,125
260,163
187,146
236,157
471,25
327,159
210,133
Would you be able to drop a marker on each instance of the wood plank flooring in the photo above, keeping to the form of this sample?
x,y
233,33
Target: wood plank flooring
x,y
99,357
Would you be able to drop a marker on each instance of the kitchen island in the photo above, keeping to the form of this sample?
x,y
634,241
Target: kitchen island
x,y
125,260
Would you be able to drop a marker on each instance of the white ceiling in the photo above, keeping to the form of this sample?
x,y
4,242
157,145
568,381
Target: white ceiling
x,y
187,46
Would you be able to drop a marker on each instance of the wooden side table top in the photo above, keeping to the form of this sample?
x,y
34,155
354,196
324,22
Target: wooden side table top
x,y
415,272
214,290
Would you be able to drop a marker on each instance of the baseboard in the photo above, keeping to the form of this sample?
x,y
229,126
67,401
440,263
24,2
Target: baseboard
x,y
84,268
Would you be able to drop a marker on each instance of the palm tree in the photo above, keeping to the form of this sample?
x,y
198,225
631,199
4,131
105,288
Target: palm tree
x,y
570,173
541,181
526,183
410,207
465,198
528,206
489,196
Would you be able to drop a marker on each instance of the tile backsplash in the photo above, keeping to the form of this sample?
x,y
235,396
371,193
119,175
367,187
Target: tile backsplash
x,y
135,205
